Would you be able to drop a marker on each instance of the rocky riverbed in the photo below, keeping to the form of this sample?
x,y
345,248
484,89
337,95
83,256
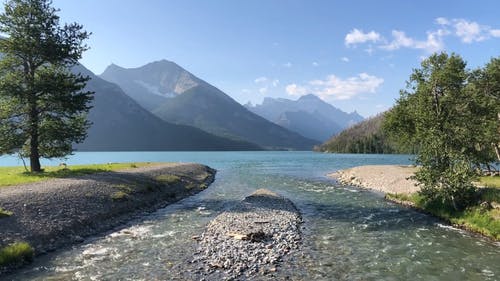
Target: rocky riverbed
x,y
249,239
56,213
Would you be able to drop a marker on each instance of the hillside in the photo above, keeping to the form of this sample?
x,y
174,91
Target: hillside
x,y
366,137
309,116
120,124
190,101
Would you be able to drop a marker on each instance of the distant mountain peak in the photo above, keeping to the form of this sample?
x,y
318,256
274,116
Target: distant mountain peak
x,y
151,84
113,67
310,97
162,62
120,124
309,115
175,95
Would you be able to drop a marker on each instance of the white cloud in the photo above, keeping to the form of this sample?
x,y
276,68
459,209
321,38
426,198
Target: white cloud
x,y
344,59
334,87
265,84
442,21
295,90
369,50
433,43
468,32
357,36
260,80
399,40
495,32
288,64
315,64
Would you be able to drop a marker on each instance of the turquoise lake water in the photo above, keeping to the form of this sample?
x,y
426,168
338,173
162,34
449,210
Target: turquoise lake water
x,y
349,234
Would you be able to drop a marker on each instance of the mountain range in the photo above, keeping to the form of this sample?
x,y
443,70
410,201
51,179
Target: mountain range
x,y
177,96
309,116
121,124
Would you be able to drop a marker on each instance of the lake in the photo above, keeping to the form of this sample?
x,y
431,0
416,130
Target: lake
x,y
349,234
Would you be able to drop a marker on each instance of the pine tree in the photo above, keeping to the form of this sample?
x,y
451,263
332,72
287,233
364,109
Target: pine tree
x,y
43,105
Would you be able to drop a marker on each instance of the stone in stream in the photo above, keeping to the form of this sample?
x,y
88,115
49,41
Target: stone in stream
x,y
250,238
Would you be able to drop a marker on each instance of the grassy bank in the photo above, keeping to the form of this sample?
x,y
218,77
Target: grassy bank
x,y
490,181
483,218
18,175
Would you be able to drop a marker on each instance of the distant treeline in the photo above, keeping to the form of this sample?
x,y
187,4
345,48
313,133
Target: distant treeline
x,y
365,137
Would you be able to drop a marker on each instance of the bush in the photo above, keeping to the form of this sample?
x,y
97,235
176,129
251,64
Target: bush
x,y
16,253
119,195
168,179
4,213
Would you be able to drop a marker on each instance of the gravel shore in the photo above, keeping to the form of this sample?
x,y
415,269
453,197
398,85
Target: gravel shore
x,y
57,213
250,239
383,178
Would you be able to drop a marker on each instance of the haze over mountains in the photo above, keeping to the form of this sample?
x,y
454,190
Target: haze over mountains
x,y
177,96
309,115
120,124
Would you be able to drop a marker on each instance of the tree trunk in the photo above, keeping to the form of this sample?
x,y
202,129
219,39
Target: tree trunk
x,y
497,145
34,153
497,150
35,160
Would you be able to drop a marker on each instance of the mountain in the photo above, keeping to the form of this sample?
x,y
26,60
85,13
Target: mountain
x,y
191,101
309,116
120,124
367,136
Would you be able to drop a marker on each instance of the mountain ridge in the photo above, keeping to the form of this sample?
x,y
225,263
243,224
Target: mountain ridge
x,y
323,119
201,105
120,124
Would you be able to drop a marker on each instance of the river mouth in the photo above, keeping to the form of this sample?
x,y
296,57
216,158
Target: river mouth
x,y
349,233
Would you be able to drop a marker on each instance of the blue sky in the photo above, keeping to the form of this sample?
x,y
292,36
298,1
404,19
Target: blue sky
x,y
355,55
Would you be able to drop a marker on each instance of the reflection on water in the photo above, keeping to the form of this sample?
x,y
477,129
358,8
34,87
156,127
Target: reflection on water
x,y
350,234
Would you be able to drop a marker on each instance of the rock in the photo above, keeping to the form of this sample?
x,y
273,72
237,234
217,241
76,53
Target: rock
x,y
250,238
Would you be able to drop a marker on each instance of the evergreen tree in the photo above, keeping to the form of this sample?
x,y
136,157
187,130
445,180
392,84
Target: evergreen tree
x,y
42,104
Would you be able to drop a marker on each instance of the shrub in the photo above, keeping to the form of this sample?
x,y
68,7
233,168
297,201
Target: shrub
x,y
16,253
119,195
5,213
168,179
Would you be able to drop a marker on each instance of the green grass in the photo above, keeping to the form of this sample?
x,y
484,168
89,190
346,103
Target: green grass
x,y
120,195
18,175
490,181
475,218
16,253
5,213
168,179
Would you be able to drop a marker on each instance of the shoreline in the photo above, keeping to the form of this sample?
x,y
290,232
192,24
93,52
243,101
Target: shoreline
x,y
54,214
382,178
393,180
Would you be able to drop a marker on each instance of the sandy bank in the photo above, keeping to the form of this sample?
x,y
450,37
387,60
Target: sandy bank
x,y
383,178
57,213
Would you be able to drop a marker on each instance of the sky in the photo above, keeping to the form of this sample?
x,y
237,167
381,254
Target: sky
x,y
356,55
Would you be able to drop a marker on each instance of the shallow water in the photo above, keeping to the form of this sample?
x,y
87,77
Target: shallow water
x,y
350,234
